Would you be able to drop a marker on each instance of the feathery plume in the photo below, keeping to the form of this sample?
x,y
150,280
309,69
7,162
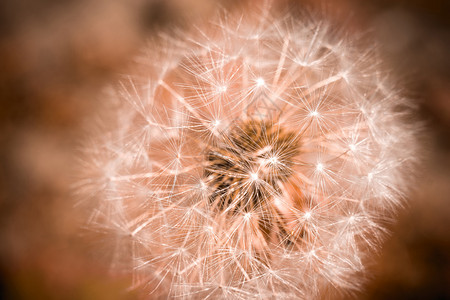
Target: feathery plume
x,y
257,157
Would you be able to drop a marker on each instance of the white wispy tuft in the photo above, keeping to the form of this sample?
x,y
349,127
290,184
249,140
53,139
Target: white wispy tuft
x,y
255,157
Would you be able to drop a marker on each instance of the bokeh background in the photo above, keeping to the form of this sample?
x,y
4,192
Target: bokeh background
x,y
57,56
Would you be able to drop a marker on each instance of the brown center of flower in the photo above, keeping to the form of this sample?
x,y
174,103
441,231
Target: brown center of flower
x,y
245,168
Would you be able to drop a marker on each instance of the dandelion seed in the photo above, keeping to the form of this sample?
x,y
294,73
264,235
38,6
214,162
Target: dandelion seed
x,y
260,82
254,176
351,219
314,113
233,188
307,215
216,124
222,89
319,167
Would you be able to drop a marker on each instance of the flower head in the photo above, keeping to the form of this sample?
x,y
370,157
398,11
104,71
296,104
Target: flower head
x,y
255,158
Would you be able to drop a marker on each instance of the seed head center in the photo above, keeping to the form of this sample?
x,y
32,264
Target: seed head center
x,y
246,164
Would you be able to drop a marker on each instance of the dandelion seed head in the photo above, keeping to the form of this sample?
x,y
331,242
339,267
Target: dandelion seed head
x,y
255,157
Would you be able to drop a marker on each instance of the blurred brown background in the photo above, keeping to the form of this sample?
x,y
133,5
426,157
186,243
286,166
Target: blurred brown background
x,y
55,58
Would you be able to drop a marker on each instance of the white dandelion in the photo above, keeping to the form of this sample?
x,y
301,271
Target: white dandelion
x,y
256,157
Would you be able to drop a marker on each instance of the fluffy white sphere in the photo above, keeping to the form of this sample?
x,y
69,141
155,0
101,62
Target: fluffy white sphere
x,y
255,157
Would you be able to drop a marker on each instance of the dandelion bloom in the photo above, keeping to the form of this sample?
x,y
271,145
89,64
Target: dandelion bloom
x,y
255,157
